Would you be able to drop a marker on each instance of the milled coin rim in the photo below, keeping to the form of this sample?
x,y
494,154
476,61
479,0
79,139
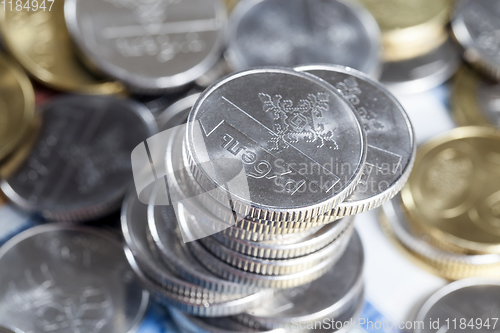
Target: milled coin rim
x,y
99,233
261,211
360,206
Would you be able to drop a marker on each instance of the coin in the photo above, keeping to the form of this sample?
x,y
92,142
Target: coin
x,y
177,113
80,167
410,28
424,72
389,134
151,46
476,27
475,100
453,193
330,296
68,279
39,41
17,106
289,33
290,132
419,249
467,305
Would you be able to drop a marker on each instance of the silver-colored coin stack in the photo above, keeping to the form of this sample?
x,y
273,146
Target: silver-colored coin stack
x,y
316,145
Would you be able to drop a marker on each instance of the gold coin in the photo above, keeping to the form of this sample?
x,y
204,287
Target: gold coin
x,y
15,159
41,43
17,106
410,28
475,100
453,194
439,266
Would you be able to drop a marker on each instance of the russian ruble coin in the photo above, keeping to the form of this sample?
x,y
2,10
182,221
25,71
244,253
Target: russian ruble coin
x,y
134,219
17,106
417,247
274,267
475,100
80,167
468,305
289,33
334,295
295,137
424,72
192,324
453,192
151,46
389,134
305,243
410,28
68,279
40,42
477,28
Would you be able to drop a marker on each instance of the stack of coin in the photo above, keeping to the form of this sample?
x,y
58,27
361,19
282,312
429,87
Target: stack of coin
x,y
418,52
316,147
447,216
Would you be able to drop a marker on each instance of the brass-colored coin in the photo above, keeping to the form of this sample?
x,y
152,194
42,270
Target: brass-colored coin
x,y
17,106
410,28
230,4
475,100
453,194
40,42
15,159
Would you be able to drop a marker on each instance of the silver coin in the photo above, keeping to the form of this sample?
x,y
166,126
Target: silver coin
x,y
177,113
298,32
477,28
59,278
488,97
389,134
330,296
134,224
298,141
149,45
470,305
422,73
304,243
393,215
200,307
80,167
191,324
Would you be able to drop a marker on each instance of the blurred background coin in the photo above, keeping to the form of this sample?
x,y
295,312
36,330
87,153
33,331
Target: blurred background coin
x,y
477,28
468,305
424,72
151,46
417,246
475,100
300,32
410,28
67,279
39,41
453,194
80,167
17,106
285,120
389,135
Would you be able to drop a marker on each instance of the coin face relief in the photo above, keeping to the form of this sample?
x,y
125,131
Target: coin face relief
x,y
477,28
390,137
80,166
66,279
290,132
149,45
299,32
